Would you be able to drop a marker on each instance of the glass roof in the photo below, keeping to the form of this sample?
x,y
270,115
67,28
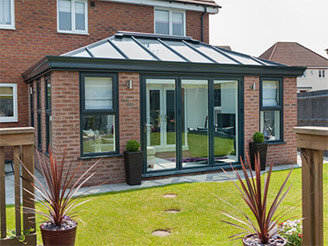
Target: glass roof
x,y
153,47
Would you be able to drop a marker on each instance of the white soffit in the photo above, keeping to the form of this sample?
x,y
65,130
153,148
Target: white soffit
x,y
164,4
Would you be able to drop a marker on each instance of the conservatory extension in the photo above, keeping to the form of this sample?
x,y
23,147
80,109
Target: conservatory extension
x,y
193,106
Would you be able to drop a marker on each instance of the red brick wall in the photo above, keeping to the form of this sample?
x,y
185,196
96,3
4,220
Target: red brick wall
x,y
66,124
36,36
279,153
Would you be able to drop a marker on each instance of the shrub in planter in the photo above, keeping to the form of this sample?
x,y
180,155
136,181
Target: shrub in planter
x,y
258,147
133,160
262,229
58,198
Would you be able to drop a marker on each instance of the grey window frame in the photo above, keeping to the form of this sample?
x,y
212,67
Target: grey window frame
x,y
48,112
39,113
114,111
279,108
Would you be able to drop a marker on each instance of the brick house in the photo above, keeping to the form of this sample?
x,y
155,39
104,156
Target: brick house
x,y
87,87
315,77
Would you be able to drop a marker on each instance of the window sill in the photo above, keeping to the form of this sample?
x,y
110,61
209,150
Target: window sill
x,y
71,32
8,120
99,156
275,142
8,27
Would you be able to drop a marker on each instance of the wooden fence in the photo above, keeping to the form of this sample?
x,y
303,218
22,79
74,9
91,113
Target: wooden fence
x,y
22,141
312,109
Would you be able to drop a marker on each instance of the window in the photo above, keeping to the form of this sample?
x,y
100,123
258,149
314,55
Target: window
x,y
99,114
8,103
7,14
48,113
271,106
32,104
39,111
321,73
169,22
72,16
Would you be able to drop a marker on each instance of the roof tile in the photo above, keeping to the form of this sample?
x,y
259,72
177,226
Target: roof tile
x,y
294,54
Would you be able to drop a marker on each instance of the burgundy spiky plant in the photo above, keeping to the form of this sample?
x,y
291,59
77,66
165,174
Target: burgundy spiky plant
x,y
250,190
57,195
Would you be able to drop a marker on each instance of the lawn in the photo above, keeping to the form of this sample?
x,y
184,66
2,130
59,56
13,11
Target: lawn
x,y
128,218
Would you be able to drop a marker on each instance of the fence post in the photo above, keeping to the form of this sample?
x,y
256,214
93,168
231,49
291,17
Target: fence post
x,y
312,141
17,138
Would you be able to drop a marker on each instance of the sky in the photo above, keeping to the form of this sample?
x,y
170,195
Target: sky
x,y
253,26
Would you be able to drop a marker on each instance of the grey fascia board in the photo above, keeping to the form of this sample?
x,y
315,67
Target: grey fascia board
x,y
141,66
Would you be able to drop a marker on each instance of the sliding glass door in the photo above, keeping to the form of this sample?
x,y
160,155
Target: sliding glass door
x,y
160,124
225,111
194,97
190,123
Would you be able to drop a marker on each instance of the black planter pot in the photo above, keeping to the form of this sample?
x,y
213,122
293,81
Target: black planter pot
x,y
133,167
254,149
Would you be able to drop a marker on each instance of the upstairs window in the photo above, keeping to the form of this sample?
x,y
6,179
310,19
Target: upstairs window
x,y
322,74
72,16
8,102
169,22
7,14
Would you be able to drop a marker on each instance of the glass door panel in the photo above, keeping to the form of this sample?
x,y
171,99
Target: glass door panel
x,y
194,123
160,124
226,121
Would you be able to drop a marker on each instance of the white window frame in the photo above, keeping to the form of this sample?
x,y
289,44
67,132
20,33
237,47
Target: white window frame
x,y
74,31
15,117
171,19
12,25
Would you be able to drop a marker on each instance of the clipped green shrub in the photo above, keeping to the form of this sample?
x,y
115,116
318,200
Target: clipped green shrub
x,y
132,146
258,137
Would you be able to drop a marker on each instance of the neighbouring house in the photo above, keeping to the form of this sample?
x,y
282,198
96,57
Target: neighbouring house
x,y
88,88
315,76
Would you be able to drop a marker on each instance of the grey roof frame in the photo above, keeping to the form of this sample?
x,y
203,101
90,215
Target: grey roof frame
x,y
73,62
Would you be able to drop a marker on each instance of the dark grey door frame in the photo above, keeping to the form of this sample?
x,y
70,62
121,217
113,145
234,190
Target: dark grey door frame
x,y
178,93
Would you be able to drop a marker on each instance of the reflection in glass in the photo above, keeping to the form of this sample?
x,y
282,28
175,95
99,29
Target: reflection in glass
x,y
80,16
160,124
98,133
177,23
160,50
5,12
212,53
106,50
131,49
270,93
98,93
270,124
162,22
195,123
187,52
225,121
65,23
6,102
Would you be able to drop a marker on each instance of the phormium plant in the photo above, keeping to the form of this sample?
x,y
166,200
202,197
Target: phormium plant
x,y
57,196
255,195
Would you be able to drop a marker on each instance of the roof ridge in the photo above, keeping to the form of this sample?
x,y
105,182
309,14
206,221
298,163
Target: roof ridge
x,y
273,50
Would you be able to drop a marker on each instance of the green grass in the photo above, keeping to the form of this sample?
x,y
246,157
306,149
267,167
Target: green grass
x,y
128,218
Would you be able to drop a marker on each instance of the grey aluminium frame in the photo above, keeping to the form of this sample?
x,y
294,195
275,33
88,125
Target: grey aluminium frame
x,y
178,78
114,111
280,107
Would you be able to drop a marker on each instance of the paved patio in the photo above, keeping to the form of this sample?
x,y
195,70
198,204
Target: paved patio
x,y
211,177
